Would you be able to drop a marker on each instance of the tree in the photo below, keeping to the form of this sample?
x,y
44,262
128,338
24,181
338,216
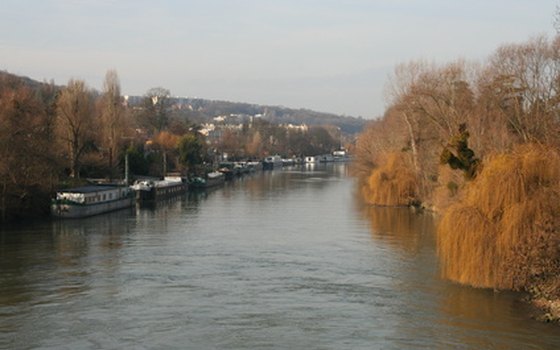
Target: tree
x,y
190,151
230,143
156,109
458,155
75,122
137,162
525,79
27,168
321,141
112,118
254,147
166,142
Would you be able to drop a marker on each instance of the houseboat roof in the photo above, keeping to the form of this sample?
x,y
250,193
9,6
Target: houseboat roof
x,y
88,189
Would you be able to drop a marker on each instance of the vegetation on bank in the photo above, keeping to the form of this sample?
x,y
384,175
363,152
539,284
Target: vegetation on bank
x,y
505,232
53,136
478,144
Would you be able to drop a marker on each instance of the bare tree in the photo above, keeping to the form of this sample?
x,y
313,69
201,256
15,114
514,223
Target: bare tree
x,y
167,144
27,168
556,19
112,117
156,109
525,79
75,122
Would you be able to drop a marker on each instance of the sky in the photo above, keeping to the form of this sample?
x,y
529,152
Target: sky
x,y
327,55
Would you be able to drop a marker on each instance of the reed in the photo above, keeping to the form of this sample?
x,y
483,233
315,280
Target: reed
x,y
505,233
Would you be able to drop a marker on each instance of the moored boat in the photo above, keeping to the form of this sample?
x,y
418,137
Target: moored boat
x,y
228,169
326,158
272,162
254,166
288,161
341,156
91,200
211,179
154,190
312,159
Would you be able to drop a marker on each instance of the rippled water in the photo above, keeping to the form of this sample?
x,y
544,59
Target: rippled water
x,y
279,260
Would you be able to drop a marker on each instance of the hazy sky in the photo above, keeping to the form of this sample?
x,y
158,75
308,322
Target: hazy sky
x,y
327,55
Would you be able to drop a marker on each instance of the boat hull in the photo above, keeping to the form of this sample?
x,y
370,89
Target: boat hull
x,y
154,194
212,180
272,162
74,210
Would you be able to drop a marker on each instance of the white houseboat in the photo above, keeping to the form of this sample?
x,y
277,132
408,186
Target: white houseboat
x,y
91,200
341,156
272,162
312,159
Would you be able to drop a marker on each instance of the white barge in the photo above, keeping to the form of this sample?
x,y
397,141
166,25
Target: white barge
x,y
272,162
154,190
91,200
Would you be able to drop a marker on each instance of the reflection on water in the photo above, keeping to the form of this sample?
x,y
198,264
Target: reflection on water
x,y
402,227
281,259
444,314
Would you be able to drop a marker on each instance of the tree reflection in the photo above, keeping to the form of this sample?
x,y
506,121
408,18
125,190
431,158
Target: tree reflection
x,y
401,227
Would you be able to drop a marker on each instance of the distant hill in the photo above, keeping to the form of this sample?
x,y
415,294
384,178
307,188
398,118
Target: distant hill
x,y
203,111
11,80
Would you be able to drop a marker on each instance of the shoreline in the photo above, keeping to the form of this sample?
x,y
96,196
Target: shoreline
x,y
547,308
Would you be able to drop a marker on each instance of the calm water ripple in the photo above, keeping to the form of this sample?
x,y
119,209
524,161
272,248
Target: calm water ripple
x,y
279,260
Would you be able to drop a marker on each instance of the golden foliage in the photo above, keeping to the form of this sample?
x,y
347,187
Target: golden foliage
x,y
505,233
391,184
449,188
166,140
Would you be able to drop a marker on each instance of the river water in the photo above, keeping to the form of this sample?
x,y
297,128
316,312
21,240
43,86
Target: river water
x,y
279,260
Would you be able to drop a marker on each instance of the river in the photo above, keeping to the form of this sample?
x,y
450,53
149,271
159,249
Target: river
x,y
279,260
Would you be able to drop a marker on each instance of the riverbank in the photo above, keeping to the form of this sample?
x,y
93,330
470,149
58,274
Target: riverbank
x,y
546,299
543,295
550,309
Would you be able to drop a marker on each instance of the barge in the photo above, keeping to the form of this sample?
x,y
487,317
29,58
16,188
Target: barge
x,y
91,200
212,179
272,162
154,190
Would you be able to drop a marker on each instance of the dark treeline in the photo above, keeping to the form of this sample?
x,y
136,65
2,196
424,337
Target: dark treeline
x,y
478,144
57,136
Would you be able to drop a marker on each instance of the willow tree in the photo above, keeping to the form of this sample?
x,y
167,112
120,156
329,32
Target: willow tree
x,y
75,123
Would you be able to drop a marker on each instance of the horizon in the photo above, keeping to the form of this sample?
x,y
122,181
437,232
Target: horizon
x,y
327,56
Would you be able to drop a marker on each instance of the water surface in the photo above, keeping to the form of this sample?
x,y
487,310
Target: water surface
x,y
280,260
